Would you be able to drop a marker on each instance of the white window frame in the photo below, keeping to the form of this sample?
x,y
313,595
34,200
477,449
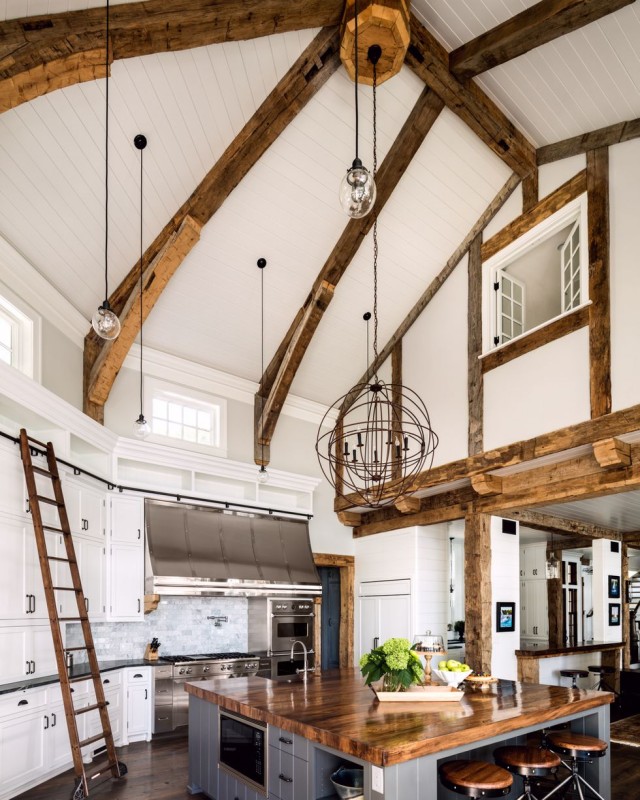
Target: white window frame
x,y
575,210
156,388
25,326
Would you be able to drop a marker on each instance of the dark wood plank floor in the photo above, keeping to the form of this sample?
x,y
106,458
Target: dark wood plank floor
x,y
158,771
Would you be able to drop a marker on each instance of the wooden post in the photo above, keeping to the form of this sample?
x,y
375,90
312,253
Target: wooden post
x,y
626,621
599,315
530,191
477,578
474,347
555,606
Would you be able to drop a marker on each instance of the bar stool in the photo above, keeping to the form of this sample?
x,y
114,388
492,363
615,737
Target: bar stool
x,y
602,672
475,778
574,674
578,750
529,762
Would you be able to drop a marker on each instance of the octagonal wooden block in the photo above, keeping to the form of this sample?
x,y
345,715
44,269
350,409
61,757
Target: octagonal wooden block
x,y
381,22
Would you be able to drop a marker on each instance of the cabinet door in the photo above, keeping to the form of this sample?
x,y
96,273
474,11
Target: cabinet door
x,y
114,708
126,570
13,646
34,585
93,507
523,608
22,750
41,651
369,622
91,555
57,745
127,520
12,494
14,603
138,709
395,617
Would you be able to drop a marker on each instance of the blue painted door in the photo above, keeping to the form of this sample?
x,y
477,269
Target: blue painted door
x,y
330,628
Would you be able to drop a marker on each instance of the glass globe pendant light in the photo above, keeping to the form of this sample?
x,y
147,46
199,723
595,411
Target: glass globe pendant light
x,y
358,188
141,428
263,475
104,322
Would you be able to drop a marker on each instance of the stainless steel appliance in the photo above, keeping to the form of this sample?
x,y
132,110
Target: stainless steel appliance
x,y
171,705
275,623
200,550
243,749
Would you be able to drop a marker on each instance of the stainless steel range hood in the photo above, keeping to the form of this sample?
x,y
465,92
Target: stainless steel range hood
x,y
200,550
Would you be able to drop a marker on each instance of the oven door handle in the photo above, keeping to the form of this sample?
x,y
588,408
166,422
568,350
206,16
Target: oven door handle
x,y
297,616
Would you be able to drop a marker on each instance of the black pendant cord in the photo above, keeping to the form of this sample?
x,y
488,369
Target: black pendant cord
x,y
262,349
375,225
141,307
355,7
106,164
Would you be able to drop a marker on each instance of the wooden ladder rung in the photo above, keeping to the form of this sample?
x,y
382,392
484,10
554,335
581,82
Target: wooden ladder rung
x,y
43,471
92,739
60,558
86,709
72,619
36,441
79,678
54,529
79,647
65,589
50,500
108,765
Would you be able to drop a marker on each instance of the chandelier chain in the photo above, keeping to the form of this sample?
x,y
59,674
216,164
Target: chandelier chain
x,y
375,223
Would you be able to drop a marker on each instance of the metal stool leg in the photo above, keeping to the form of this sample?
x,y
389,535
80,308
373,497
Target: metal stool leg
x,y
575,779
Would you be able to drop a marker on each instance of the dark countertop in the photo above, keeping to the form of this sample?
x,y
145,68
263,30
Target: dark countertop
x,y
336,709
538,649
77,671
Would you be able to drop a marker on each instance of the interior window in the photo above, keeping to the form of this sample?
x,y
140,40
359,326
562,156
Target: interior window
x,y
16,337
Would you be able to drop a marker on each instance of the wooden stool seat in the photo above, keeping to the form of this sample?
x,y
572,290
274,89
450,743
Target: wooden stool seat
x,y
526,760
574,674
576,745
475,778
600,669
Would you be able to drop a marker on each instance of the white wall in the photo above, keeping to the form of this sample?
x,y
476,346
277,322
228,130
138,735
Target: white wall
x,y
551,176
539,392
505,588
434,363
432,595
605,563
61,368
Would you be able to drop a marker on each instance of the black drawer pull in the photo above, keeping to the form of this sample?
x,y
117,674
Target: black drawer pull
x,y
138,675
284,740
23,703
106,680
285,779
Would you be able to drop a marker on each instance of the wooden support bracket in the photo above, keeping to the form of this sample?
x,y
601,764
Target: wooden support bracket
x,y
407,504
349,518
612,453
487,484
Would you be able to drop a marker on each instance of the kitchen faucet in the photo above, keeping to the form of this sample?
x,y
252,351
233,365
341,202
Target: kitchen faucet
x,y
305,670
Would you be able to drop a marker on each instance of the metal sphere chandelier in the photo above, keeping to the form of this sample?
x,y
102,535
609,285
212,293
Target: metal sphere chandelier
x,y
383,436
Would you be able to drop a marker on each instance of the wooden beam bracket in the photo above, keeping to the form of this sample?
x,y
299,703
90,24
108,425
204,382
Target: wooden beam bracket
x,y
612,453
487,484
406,504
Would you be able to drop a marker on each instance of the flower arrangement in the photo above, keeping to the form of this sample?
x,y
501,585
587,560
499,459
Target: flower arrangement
x,y
395,662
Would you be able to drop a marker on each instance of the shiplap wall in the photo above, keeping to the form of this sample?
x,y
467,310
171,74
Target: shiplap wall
x,y
505,588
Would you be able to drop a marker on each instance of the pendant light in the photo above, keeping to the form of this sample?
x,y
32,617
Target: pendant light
x,y
263,475
141,427
105,323
384,438
358,187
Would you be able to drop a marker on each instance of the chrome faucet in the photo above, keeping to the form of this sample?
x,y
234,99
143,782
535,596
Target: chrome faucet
x,y
305,670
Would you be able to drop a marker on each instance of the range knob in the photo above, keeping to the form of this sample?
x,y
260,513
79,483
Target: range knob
x,y
206,669
189,670
181,671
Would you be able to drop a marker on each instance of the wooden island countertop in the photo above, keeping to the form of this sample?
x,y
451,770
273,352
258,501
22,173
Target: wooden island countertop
x,y
336,709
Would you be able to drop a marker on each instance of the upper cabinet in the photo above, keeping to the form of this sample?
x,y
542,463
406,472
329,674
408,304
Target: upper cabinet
x,y
127,520
533,562
86,509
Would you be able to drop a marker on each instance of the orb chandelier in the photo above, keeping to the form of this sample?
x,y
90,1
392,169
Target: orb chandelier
x,y
383,438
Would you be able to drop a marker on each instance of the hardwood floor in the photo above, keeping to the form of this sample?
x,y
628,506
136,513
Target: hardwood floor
x,y
158,771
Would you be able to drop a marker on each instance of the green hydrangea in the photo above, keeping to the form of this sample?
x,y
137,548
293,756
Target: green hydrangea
x,y
394,659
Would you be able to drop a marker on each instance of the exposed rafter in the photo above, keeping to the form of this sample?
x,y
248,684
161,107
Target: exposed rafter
x,y
535,26
278,376
550,523
311,71
577,145
44,53
430,61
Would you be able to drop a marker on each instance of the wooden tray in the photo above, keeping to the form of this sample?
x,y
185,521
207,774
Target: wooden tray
x,y
435,694
480,681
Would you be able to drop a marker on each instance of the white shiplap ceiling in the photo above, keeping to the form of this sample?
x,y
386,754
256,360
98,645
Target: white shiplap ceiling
x,y
191,104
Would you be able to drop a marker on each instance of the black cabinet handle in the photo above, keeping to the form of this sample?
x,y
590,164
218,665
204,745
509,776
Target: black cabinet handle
x,y
146,694
28,663
46,722
106,680
53,717
28,596
285,778
23,703
138,533
284,740
33,667
138,675
376,639
33,610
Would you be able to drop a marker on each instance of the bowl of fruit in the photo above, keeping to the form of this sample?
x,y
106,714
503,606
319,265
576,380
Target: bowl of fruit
x,y
452,672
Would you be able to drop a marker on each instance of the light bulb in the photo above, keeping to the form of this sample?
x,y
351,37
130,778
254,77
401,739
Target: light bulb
x,y
141,427
263,475
105,323
357,191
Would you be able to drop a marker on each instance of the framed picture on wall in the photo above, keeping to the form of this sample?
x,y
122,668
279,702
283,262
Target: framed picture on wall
x,y
614,586
505,617
614,613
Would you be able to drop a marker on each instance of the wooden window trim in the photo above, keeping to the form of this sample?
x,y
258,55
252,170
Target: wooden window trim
x,y
346,565
533,339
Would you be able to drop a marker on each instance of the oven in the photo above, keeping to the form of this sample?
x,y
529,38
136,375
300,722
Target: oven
x,y
291,621
243,749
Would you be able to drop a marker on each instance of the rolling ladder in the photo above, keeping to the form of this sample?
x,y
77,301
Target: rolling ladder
x,y
29,447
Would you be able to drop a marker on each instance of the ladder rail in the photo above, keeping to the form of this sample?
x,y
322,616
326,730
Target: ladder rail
x,y
35,498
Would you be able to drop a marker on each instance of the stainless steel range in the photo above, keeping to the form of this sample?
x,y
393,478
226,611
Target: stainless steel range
x,y
171,700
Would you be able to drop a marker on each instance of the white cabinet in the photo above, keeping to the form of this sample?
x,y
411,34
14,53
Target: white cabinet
x,y
12,494
22,747
533,562
534,622
112,686
384,615
92,561
139,704
127,520
86,509
26,652
56,738
126,568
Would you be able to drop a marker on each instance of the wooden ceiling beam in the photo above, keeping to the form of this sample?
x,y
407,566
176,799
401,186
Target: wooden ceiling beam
x,y
429,293
42,53
531,28
307,75
550,523
430,61
578,145
555,442
279,375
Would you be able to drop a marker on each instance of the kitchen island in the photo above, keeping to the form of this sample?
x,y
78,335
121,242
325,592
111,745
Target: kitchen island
x,y
541,661
335,719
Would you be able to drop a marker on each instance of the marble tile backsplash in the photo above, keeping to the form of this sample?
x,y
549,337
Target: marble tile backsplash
x,y
179,623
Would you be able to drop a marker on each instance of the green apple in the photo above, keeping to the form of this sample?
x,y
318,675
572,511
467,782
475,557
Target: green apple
x,y
443,666
466,668
452,664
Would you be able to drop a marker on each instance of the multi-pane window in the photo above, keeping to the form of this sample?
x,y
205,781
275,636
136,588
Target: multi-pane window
x,y
17,336
7,337
179,418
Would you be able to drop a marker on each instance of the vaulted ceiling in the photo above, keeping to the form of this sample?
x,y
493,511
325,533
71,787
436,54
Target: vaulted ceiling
x,y
192,104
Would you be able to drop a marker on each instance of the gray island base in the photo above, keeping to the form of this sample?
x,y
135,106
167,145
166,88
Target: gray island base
x,y
332,721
